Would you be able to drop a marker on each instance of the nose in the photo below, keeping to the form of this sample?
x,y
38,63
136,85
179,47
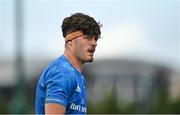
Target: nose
x,y
94,41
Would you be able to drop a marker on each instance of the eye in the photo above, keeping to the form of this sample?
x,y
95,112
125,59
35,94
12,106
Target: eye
x,y
96,38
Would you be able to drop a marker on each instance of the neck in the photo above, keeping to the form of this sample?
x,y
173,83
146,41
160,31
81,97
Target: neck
x,y
78,64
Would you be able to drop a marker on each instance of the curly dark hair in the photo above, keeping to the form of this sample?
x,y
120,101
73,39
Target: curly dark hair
x,y
83,22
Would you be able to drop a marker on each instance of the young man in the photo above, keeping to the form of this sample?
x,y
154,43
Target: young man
x,y
62,87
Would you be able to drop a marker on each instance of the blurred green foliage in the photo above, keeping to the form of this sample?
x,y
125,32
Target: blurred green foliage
x,y
21,104
109,106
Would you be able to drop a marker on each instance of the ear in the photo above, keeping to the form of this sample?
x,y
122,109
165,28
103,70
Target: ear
x,y
69,43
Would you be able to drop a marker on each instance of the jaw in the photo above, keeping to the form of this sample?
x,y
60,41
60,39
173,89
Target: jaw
x,y
89,57
85,56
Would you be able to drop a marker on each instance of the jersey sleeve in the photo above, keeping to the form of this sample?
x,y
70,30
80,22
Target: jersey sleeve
x,y
58,88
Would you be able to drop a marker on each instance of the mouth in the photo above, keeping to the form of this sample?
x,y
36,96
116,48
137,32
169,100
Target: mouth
x,y
91,50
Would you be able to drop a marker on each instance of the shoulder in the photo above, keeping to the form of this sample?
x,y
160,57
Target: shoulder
x,y
60,65
59,69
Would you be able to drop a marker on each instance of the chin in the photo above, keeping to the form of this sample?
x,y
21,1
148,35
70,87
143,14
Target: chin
x,y
89,59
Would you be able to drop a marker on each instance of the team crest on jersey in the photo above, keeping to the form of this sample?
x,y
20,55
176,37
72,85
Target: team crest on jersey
x,y
78,89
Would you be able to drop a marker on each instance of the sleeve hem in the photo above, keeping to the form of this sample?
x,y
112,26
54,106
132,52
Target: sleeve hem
x,y
57,101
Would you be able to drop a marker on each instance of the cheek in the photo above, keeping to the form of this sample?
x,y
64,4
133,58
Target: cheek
x,y
80,46
79,49
82,49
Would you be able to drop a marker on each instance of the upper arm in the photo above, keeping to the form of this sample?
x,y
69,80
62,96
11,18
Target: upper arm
x,y
58,89
52,108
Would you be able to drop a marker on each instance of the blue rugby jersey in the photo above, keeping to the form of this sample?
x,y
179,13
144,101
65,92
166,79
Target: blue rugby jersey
x,y
62,84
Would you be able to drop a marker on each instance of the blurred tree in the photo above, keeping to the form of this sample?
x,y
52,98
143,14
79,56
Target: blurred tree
x,y
18,103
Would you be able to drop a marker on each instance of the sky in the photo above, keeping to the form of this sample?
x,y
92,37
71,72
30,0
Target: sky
x,y
132,29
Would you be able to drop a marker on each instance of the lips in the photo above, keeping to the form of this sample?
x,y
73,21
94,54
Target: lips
x,y
91,50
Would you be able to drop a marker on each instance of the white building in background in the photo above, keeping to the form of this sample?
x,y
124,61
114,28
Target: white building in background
x,y
132,81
